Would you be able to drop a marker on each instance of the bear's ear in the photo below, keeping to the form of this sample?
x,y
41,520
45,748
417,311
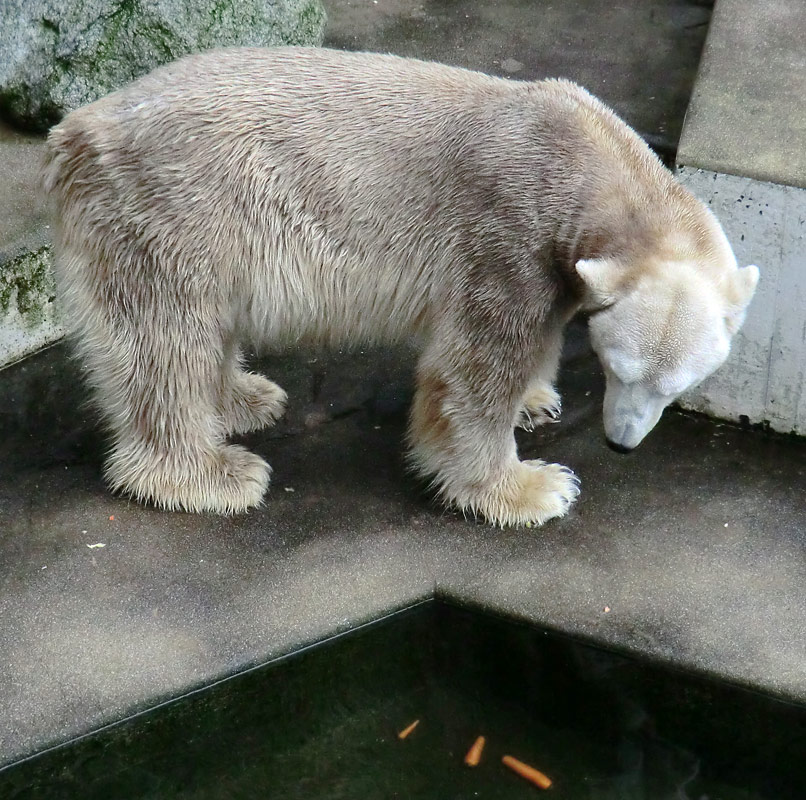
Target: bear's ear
x,y
741,288
601,278
745,282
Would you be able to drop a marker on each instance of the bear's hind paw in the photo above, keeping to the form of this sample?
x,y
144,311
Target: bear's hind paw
x,y
230,480
541,406
254,402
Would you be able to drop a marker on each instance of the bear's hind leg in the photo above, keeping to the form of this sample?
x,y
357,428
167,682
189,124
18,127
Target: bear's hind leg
x,y
169,444
155,360
248,401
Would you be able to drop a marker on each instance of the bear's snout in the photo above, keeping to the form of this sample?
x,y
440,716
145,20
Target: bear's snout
x,y
619,448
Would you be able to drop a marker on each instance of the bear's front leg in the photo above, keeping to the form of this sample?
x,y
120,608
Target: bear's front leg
x,y
461,434
541,405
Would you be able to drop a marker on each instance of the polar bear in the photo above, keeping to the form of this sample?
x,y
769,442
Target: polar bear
x,y
290,194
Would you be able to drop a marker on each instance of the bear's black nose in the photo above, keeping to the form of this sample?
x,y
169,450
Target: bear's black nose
x,y
619,448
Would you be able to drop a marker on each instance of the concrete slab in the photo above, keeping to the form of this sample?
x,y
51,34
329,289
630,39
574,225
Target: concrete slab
x,y
747,116
640,56
764,381
695,542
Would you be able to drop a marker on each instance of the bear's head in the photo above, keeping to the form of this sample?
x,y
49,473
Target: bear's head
x,y
658,332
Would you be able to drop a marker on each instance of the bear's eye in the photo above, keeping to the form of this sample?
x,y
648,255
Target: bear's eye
x,y
627,368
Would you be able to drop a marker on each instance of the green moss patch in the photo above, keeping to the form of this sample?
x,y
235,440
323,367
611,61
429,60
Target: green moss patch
x,y
27,286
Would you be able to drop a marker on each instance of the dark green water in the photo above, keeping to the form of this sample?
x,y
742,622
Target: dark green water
x,y
323,724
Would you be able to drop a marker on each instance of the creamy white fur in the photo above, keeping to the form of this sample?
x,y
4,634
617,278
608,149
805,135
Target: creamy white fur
x,y
301,194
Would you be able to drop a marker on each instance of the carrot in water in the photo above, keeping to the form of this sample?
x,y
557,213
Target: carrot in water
x,y
531,774
407,730
474,754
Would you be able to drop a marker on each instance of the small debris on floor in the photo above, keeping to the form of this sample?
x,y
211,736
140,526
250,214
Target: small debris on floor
x,y
97,544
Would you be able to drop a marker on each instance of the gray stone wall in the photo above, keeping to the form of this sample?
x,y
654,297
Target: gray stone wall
x,y
764,380
57,55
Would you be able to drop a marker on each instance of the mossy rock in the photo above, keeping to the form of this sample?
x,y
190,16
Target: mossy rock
x,y
57,55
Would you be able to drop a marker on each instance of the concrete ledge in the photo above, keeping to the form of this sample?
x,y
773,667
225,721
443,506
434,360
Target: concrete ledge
x,y
29,319
747,114
743,152
764,380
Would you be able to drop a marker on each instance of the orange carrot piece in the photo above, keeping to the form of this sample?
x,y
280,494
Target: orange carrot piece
x,y
407,730
531,774
474,754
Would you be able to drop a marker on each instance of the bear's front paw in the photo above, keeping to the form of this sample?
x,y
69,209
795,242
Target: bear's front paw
x,y
548,490
253,402
541,405
533,492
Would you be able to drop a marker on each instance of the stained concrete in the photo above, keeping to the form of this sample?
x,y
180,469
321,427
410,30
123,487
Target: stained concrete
x,y
764,380
747,116
695,542
21,208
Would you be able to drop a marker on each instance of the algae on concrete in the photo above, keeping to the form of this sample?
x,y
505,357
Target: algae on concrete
x,y
26,283
29,318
